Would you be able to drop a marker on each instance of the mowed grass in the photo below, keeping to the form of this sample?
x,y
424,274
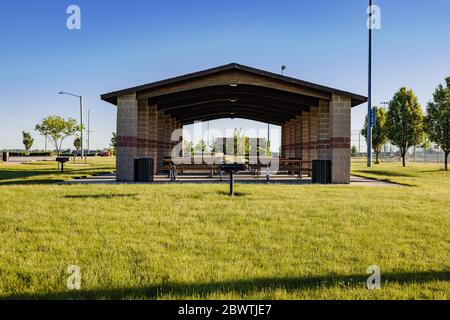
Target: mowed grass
x,y
192,241
42,172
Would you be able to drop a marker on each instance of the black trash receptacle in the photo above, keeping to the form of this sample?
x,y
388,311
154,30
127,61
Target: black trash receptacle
x,y
5,156
143,170
321,171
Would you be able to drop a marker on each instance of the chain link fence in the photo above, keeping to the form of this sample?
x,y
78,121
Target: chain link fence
x,y
434,154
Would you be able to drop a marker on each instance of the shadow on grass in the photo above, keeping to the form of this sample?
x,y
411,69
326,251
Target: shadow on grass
x,y
30,182
236,194
239,286
99,196
387,173
26,177
22,174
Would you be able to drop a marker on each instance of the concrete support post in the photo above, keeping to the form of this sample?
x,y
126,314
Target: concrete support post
x,y
340,140
305,136
127,125
323,126
153,134
283,141
298,136
143,148
314,137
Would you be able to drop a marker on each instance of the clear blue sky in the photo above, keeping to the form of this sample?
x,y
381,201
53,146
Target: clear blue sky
x,y
125,43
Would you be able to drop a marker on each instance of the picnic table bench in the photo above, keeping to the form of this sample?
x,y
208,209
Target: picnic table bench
x,y
189,164
292,166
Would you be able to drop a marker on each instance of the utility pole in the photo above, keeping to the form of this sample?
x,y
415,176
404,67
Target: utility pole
x,y
369,100
268,151
359,144
89,131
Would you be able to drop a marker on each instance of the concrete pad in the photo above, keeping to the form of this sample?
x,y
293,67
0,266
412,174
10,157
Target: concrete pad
x,y
240,178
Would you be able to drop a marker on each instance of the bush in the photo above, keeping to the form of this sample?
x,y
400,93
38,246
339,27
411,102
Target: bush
x,y
31,154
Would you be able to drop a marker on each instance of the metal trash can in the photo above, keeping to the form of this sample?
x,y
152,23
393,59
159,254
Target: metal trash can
x,y
5,156
321,171
143,170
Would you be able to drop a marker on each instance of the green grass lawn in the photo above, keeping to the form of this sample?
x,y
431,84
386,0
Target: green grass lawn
x,y
42,172
192,241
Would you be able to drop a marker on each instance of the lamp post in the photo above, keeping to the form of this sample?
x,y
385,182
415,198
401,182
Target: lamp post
x,y
369,95
268,151
81,118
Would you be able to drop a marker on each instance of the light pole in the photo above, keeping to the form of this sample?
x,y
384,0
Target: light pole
x,y
268,151
81,118
369,95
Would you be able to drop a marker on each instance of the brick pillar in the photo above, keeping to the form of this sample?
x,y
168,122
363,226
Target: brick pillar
x,y
340,138
288,139
324,152
143,148
152,134
298,136
127,125
292,138
314,137
283,141
305,136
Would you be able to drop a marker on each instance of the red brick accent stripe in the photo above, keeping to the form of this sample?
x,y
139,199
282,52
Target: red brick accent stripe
x,y
333,143
134,142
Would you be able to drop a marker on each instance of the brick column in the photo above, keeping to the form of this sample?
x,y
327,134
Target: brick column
x,y
143,148
127,125
283,141
288,139
152,134
305,136
298,136
323,125
340,138
314,133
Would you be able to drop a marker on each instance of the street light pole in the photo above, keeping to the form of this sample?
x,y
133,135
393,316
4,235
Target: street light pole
x,y
369,95
81,118
81,126
268,151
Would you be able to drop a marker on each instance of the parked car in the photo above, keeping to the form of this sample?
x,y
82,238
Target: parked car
x,y
102,153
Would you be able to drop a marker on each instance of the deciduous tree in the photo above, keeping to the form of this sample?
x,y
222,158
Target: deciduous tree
x,y
379,133
57,129
27,140
404,121
437,121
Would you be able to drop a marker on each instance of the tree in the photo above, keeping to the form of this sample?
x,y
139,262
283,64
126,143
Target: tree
x,y
241,143
213,147
113,143
379,133
188,148
27,140
201,147
57,129
405,121
77,143
354,151
437,121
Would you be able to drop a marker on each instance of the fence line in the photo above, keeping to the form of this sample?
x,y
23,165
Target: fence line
x,y
392,153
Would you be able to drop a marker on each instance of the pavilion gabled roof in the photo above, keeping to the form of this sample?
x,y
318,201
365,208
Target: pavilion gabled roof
x,y
233,90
